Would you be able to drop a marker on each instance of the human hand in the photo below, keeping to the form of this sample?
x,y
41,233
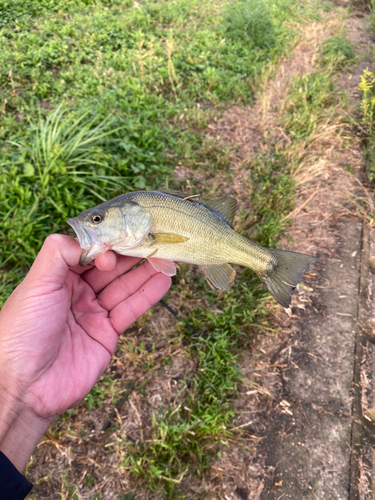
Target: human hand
x,y
58,331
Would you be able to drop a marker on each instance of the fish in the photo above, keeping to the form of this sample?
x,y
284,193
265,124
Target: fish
x,y
168,226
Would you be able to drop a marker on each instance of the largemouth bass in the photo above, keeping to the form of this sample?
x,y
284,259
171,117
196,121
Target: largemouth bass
x,y
165,227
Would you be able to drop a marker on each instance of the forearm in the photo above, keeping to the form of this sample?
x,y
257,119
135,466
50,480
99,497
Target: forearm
x,y
20,429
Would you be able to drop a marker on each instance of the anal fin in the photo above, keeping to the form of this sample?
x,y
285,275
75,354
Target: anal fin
x,y
220,276
164,266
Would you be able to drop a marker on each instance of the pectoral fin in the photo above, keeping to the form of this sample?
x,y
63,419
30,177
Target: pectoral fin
x,y
167,267
166,238
220,276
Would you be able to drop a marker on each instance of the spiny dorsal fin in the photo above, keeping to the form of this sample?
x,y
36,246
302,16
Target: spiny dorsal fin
x,y
226,207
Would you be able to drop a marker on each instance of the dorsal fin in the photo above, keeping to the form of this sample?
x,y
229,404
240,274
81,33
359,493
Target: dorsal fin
x,y
226,206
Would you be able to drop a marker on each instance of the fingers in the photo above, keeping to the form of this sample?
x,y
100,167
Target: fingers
x,y
98,279
134,306
125,285
106,262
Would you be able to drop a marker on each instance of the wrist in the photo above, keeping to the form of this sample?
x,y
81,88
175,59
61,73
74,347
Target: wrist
x,y
20,429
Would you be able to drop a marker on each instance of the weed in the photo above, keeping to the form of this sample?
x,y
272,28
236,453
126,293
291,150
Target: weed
x,y
250,21
338,53
104,388
89,480
63,145
63,167
367,89
188,435
307,96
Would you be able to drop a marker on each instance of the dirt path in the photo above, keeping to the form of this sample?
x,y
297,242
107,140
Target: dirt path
x,y
319,448
311,407
309,448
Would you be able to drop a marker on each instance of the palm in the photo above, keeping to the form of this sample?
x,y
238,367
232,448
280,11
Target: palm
x,y
76,350
70,329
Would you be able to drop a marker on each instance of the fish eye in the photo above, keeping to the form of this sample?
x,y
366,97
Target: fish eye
x,y
97,218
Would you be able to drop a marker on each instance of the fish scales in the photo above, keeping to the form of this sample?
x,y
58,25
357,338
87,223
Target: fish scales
x,y
169,227
211,241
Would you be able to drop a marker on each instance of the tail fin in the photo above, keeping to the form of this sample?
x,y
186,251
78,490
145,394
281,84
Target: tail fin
x,y
286,273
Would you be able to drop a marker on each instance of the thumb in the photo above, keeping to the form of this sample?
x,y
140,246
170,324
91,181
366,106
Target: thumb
x,y
56,256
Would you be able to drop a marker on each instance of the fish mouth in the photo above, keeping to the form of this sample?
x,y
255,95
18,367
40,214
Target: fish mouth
x,y
86,236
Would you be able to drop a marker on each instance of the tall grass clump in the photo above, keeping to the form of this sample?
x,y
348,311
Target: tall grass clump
x,y
64,165
337,52
308,95
251,22
65,147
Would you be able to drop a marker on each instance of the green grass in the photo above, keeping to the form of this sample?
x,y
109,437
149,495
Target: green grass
x,y
183,438
307,97
338,52
135,71
101,96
